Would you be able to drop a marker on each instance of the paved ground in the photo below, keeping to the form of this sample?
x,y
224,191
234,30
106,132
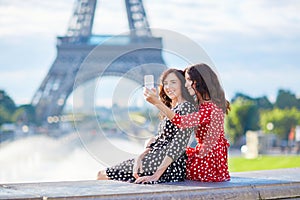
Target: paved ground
x,y
270,184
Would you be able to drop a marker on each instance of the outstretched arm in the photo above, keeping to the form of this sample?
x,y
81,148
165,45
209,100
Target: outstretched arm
x,y
151,97
182,121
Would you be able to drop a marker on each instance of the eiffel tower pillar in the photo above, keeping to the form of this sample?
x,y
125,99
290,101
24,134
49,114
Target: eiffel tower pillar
x,y
111,55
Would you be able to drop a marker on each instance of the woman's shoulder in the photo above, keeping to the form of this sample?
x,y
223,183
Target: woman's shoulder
x,y
187,104
208,104
186,107
211,106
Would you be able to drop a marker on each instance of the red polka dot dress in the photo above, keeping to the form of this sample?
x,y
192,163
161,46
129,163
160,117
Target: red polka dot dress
x,y
206,162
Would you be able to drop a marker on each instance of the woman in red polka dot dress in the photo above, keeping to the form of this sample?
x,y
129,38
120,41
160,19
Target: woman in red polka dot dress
x,y
207,162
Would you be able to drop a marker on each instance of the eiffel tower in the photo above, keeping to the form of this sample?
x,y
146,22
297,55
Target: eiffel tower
x,y
137,50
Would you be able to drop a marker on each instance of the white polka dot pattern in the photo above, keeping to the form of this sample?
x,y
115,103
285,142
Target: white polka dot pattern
x,y
206,162
171,141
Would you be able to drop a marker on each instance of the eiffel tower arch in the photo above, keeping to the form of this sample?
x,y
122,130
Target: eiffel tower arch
x,y
111,55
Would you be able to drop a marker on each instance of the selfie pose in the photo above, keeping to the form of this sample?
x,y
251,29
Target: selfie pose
x,y
208,161
164,158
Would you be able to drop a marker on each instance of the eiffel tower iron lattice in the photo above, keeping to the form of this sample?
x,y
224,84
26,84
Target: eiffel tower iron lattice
x,y
117,56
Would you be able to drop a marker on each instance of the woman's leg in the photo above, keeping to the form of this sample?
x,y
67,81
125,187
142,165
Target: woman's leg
x,y
102,175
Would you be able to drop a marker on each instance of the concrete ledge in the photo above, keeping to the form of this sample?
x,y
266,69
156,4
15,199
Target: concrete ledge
x,y
271,184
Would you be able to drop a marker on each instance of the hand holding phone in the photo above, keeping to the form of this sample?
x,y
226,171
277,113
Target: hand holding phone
x,y
149,81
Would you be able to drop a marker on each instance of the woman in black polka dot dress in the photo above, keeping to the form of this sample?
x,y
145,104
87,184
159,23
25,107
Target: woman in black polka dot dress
x,y
208,161
164,159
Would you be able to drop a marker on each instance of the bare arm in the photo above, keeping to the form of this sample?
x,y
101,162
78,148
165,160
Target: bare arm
x,y
163,166
137,166
160,170
151,97
175,148
183,121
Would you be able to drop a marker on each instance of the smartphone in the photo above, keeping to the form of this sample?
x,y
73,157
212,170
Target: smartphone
x,y
149,81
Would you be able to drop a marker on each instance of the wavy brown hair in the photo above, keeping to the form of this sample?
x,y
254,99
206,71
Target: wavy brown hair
x,y
207,84
184,92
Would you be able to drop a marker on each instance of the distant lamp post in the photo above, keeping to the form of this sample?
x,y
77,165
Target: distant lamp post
x,y
270,126
244,149
25,128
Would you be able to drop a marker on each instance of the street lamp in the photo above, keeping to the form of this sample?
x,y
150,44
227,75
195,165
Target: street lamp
x,y
270,126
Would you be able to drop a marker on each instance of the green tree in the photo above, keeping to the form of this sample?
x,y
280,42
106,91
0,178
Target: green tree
x,y
24,114
286,99
5,115
7,102
261,102
264,103
7,108
281,121
243,116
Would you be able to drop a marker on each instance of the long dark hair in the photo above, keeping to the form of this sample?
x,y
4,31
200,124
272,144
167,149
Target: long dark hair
x,y
207,84
184,92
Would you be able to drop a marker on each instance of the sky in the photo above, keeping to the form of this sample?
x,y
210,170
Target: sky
x,y
254,45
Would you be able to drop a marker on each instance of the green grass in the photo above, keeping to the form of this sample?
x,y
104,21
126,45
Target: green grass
x,y
240,164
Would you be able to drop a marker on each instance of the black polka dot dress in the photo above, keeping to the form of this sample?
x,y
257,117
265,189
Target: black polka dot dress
x,y
171,141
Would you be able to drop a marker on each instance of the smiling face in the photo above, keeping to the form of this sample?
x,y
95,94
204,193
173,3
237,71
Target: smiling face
x,y
172,87
189,84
